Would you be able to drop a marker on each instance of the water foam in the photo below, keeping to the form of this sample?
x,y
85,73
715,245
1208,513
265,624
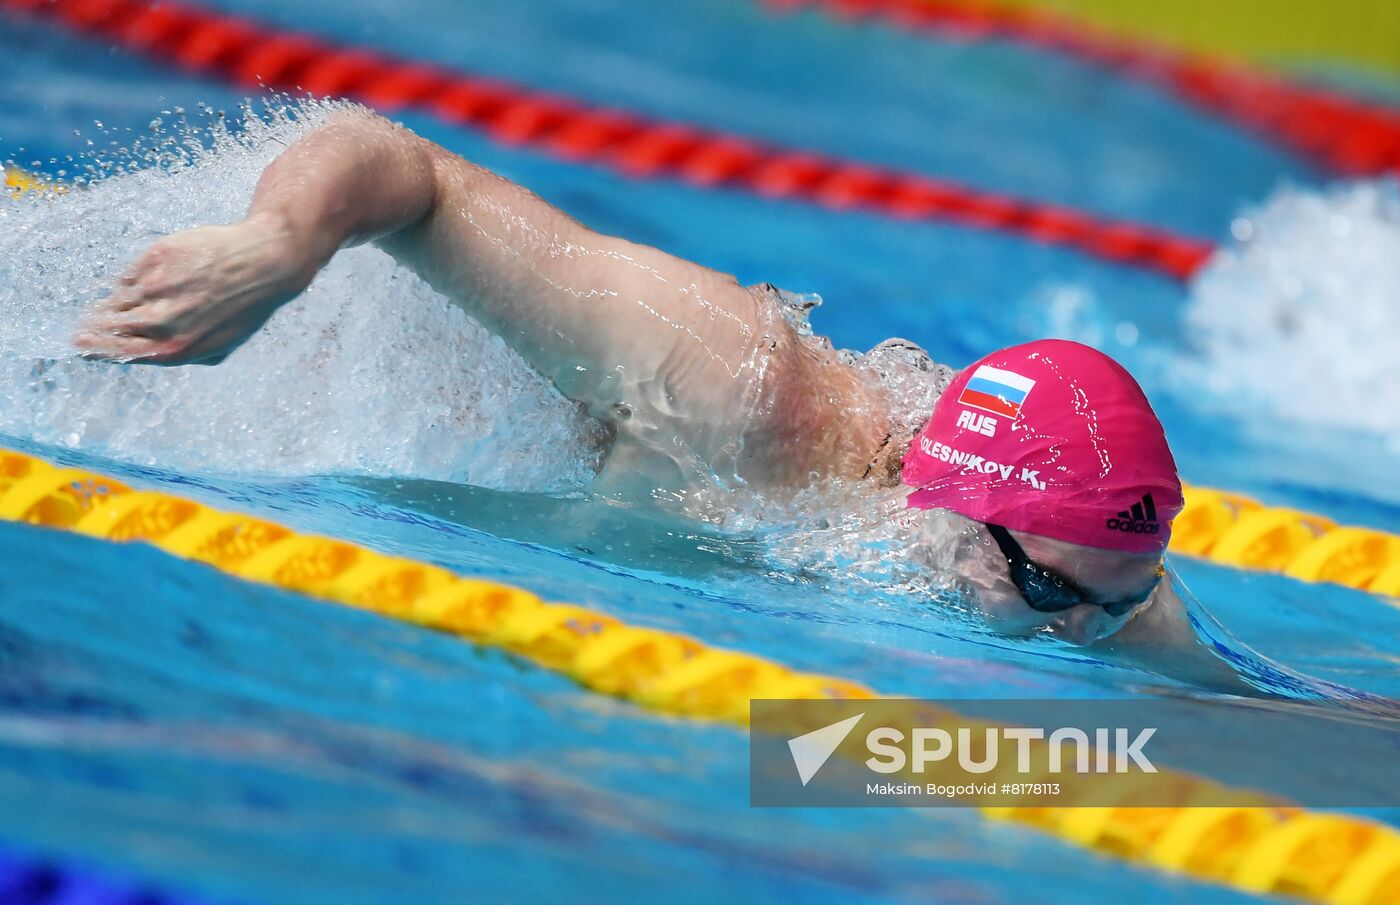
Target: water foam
x,y
1298,316
368,372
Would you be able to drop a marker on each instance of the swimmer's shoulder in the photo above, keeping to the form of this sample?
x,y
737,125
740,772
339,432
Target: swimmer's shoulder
x,y
815,416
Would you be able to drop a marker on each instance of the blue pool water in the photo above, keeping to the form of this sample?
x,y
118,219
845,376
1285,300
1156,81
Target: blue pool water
x,y
162,721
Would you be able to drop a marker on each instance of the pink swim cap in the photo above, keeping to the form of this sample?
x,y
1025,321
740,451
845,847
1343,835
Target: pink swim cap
x,y
1053,438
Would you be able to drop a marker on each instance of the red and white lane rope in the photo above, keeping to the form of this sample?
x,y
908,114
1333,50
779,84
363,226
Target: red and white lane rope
x,y
1343,134
250,54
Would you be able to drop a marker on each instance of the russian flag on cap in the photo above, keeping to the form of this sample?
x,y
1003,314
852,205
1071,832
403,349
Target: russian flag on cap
x,y
996,391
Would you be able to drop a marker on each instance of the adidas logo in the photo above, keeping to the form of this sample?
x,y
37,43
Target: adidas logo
x,y
1140,519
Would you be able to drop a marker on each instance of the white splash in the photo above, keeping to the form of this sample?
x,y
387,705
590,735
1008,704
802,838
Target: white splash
x,y
1300,316
369,372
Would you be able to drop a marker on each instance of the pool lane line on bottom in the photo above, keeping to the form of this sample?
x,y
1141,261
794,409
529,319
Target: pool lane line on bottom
x,y
1324,857
256,55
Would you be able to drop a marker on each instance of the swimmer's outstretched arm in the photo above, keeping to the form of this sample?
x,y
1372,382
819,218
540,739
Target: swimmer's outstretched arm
x,y
1163,640
616,325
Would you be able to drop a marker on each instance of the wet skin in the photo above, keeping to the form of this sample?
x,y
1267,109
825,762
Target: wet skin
x,y
702,382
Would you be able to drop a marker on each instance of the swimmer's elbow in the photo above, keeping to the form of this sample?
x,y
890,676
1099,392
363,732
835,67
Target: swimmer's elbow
x,y
370,177
346,117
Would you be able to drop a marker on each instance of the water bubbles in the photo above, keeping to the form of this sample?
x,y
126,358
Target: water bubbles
x,y
912,382
797,308
369,372
1299,318
1242,229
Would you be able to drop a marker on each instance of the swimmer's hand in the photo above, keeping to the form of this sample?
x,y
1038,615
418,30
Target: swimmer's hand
x,y
194,297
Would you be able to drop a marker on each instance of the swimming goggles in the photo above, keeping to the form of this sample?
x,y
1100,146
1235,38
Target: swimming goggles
x,y
1048,592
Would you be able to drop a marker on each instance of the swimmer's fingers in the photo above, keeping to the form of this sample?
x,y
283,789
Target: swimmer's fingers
x,y
115,347
130,348
141,350
135,289
194,297
151,334
175,263
125,298
173,267
183,313
120,312
173,354
128,294
158,320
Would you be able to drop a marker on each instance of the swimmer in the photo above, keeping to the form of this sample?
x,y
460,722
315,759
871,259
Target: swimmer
x,y
1046,455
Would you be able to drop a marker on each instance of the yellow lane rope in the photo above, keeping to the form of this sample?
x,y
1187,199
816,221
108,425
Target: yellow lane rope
x,y
1235,530
1329,858
19,181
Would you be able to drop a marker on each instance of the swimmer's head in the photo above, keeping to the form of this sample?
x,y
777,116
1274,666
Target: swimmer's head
x,y
1055,442
1110,587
